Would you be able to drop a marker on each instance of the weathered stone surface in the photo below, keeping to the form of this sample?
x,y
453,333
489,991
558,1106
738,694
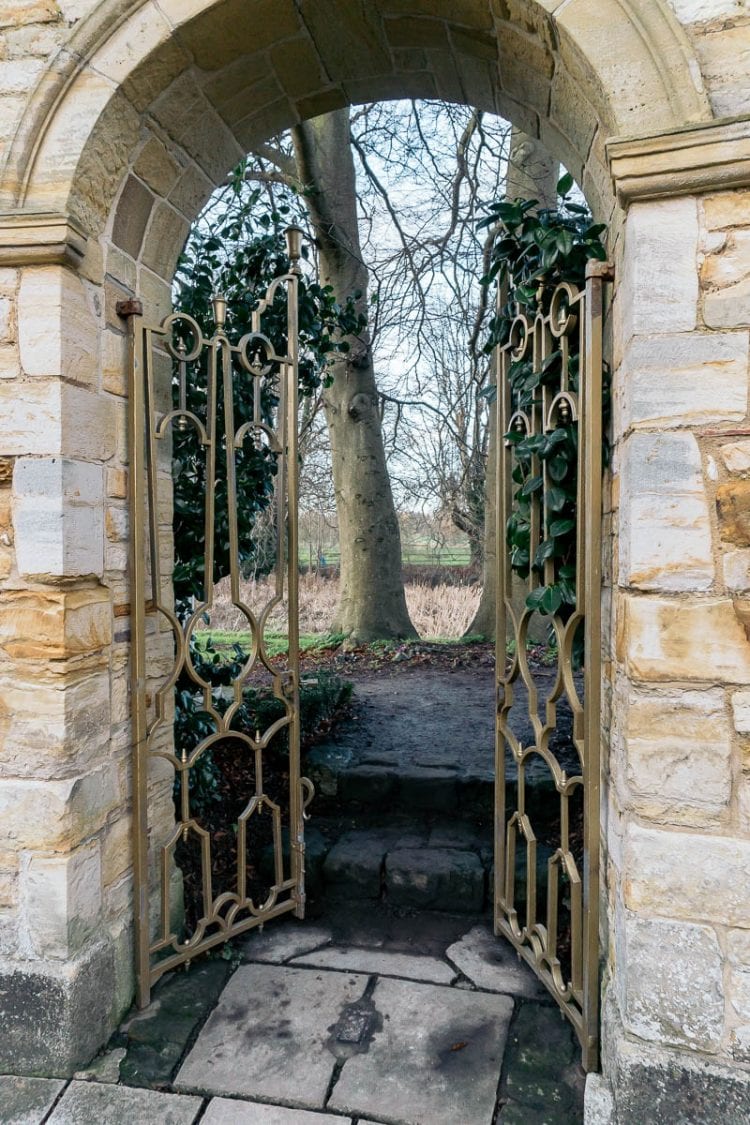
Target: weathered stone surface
x,y
598,1106
678,749
659,284
55,1016
54,624
422,1027
660,990
733,502
223,1111
729,209
366,783
157,167
278,942
280,1019
736,566
684,379
492,964
57,517
665,531
131,219
540,1049
25,1101
355,863
58,333
383,963
703,641
736,457
683,875
741,711
323,764
435,878
669,1088
96,1103
728,307
62,898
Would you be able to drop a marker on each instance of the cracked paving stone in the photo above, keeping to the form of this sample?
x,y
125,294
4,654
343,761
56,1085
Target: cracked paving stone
x,y
94,1103
268,1036
492,964
279,942
225,1111
25,1101
382,963
435,1060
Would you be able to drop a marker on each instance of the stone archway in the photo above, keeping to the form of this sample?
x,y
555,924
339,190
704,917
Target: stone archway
x,y
120,132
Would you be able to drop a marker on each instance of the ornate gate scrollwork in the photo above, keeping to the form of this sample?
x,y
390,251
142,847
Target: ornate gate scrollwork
x,y
163,639
548,721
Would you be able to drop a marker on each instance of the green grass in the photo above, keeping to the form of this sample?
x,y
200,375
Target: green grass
x,y
276,643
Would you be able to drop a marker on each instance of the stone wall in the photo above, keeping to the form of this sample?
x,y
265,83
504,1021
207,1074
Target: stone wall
x,y
117,118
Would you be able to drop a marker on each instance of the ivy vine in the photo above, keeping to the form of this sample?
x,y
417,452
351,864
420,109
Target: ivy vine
x,y
537,250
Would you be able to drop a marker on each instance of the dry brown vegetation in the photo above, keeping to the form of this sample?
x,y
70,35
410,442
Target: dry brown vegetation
x,y
437,610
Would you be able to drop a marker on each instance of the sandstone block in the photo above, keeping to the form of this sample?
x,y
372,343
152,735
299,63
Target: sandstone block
x,y
659,285
664,522
51,725
703,640
691,379
698,878
723,59
132,216
15,13
57,517
729,209
660,991
115,370
62,897
729,307
88,424
733,502
54,624
739,992
678,750
58,334
31,413
737,572
165,240
157,167
741,711
730,263
736,457
59,814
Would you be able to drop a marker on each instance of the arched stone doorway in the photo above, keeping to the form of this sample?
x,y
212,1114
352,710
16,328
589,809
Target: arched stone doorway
x,y
121,127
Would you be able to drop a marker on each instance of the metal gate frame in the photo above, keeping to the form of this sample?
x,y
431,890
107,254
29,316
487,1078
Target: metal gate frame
x,y
231,913
535,937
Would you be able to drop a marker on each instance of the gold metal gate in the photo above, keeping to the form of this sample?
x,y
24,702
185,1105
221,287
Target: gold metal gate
x,y
174,352
555,932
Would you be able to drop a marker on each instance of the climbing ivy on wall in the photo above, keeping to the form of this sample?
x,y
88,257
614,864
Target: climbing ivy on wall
x,y
534,252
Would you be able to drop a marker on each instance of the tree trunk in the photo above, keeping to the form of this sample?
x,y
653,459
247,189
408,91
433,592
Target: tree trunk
x,y
372,603
532,174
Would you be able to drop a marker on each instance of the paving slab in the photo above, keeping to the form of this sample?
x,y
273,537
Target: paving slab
x,y
280,942
492,964
383,963
95,1103
25,1101
226,1111
269,1035
435,1059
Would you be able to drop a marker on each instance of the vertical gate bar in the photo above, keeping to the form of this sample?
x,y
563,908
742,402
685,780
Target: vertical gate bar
x,y
137,426
596,273
501,613
295,772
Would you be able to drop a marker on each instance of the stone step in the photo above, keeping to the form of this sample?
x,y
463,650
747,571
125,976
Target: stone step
x,y
341,780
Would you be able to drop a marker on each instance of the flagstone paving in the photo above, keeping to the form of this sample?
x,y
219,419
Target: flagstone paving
x,y
368,1016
